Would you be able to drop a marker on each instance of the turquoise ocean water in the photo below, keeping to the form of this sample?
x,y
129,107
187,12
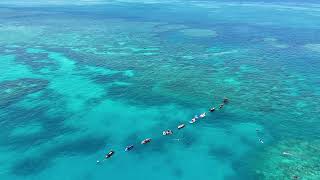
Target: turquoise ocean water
x,y
80,79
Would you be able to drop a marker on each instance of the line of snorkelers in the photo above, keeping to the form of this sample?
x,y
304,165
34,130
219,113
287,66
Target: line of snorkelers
x,y
168,131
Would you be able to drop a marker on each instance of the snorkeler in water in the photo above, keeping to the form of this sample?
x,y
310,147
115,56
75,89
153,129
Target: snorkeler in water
x,y
129,148
212,109
167,132
202,115
181,126
111,153
146,141
193,120
225,100
221,106
261,141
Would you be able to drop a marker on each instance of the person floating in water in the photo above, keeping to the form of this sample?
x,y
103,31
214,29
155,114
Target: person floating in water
x,y
167,132
181,126
111,153
129,148
225,100
212,109
146,141
261,141
193,120
202,115
221,106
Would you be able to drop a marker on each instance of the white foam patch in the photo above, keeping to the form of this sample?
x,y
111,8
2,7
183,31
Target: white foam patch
x,y
313,47
232,81
275,42
128,73
279,6
17,34
225,53
169,27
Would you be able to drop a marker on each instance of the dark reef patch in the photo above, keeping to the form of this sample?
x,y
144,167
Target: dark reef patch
x,y
34,165
188,139
30,166
13,91
138,95
220,152
84,145
242,169
177,172
92,102
103,79
51,127
49,114
36,61
118,91
161,145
